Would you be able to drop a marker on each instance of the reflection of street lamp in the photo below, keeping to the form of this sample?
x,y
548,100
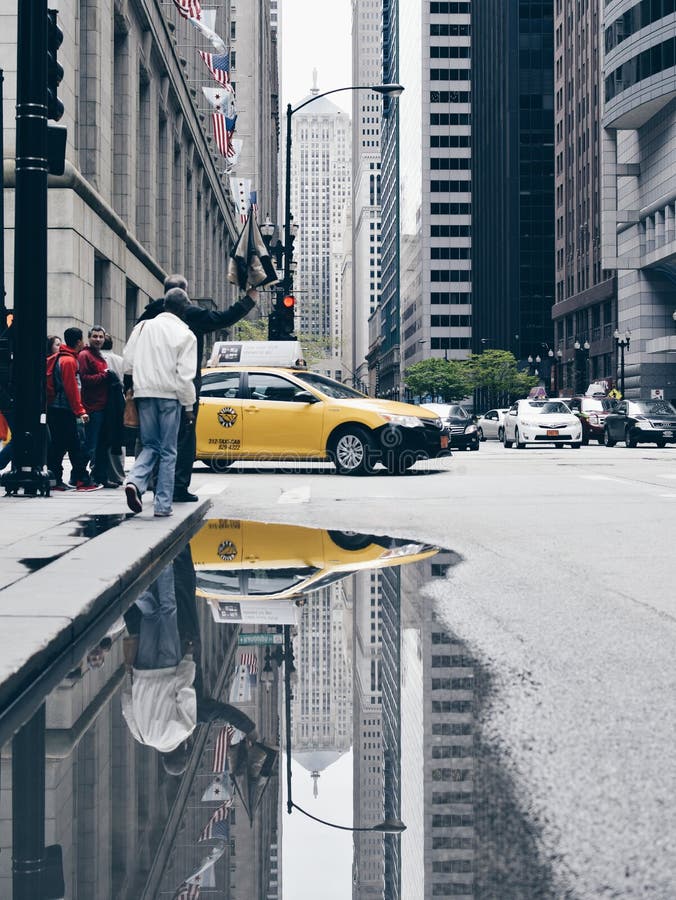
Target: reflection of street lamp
x,y
622,341
388,826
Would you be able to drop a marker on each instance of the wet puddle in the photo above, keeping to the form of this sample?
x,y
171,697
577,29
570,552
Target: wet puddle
x,y
159,767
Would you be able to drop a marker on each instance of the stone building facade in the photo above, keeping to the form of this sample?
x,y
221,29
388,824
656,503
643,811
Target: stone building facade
x,y
145,191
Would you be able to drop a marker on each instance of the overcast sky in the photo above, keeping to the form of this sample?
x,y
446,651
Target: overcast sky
x,y
315,35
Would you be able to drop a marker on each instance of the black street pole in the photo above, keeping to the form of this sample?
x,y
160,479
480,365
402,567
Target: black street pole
x,y
622,369
28,809
287,709
30,255
287,285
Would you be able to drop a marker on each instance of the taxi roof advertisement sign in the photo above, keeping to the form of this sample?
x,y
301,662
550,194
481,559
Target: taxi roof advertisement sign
x,y
256,353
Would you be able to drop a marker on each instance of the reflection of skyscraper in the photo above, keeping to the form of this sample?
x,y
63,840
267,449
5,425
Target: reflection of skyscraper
x,y
437,746
367,786
321,716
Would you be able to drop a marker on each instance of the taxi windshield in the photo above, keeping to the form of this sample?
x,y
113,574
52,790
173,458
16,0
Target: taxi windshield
x,y
327,386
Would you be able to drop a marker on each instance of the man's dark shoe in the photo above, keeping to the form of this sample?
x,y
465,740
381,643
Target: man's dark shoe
x,y
185,497
134,501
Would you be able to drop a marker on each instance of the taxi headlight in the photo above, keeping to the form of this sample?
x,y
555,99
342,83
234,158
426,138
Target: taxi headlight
x,y
403,421
532,423
643,423
470,429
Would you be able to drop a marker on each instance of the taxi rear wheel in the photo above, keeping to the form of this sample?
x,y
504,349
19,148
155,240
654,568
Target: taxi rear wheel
x,y
351,452
219,464
350,540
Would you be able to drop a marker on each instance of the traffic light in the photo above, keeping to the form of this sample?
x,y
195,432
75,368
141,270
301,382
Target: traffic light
x,y
54,69
286,307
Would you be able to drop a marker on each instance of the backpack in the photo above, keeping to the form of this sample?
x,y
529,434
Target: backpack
x,y
55,390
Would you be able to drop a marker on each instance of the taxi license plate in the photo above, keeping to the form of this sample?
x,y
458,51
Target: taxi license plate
x,y
552,432
444,442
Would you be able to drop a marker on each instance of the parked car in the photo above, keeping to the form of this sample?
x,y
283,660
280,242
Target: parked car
x,y
592,412
256,409
541,421
463,431
489,425
640,422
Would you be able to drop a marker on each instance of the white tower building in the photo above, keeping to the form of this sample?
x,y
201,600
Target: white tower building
x,y
320,192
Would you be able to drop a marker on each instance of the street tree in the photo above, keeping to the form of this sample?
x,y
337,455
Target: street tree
x,y
495,373
445,380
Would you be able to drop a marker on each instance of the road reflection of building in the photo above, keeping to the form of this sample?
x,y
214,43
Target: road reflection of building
x,y
424,733
127,828
367,784
322,702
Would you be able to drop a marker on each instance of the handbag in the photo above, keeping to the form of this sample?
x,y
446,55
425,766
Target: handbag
x,y
130,415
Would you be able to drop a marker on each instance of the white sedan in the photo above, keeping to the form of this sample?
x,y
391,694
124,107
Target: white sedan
x,y
489,425
541,422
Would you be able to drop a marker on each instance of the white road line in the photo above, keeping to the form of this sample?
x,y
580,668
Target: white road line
x,y
297,495
210,490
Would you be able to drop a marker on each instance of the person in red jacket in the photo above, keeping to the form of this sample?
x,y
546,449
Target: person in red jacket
x,y
66,416
95,379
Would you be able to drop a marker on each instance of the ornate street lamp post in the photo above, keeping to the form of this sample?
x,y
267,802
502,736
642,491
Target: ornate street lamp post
x,y
622,341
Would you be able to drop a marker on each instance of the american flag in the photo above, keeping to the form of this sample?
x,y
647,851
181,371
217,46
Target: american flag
x,y
218,64
188,892
221,748
220,133
189,9
250,659
217,826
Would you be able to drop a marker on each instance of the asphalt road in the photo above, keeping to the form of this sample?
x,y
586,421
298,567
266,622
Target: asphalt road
x,y
566,593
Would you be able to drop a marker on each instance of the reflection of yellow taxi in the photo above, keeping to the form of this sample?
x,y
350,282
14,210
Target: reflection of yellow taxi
x,y
283,412
240,560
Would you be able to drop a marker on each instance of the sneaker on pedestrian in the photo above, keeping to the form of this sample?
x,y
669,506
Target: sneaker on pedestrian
x,y
133,497
163,513
85,487
61,486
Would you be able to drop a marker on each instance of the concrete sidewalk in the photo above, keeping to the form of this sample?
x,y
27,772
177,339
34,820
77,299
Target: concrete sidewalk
x,y
70,561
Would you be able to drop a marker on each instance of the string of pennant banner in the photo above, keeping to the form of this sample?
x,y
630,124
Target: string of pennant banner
x,y
221,100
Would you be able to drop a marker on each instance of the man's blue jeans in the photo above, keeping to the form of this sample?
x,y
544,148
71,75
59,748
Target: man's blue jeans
x,y
159,420
159,644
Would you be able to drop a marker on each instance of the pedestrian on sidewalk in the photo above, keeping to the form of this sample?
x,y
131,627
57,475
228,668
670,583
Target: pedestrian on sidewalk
x,y
113,425
66,415
95,379
161,357
201,322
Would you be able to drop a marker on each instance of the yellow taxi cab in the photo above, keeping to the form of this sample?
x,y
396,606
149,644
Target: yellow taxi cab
x,y
258,402
244,569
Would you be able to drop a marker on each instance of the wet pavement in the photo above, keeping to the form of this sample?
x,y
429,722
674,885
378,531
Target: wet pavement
x,y
448,666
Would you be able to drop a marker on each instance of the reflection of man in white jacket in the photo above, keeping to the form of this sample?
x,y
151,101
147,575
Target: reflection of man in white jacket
x,y
158,698
161,357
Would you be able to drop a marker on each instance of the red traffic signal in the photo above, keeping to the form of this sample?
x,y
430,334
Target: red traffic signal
x,y
289,301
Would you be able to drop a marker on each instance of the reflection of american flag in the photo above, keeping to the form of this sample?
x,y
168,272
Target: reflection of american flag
x,y
221,748
250,660
217,826
188,892
189,9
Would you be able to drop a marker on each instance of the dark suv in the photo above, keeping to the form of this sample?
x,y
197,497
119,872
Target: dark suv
x,y
592,412
641,422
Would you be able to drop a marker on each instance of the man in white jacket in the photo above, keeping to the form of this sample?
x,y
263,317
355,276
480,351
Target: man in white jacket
x,y
161,357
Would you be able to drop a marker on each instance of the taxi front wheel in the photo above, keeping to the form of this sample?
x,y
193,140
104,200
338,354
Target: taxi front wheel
x,y
351,452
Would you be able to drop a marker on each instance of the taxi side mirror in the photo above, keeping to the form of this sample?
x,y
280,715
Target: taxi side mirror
x,y
305,397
